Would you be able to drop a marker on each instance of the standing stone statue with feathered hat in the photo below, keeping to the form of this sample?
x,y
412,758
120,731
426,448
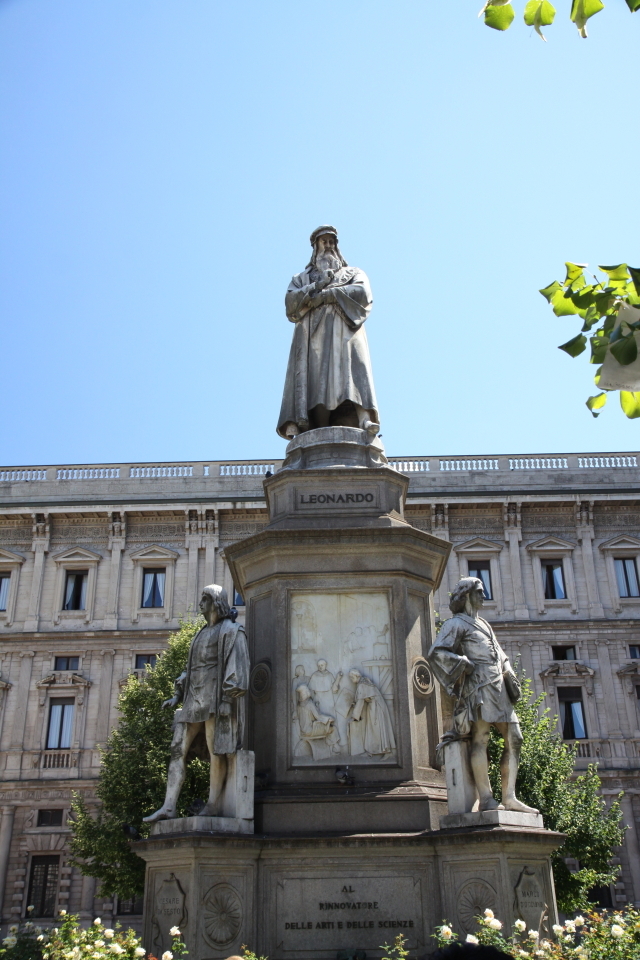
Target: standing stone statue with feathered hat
x,y
329,382
211,690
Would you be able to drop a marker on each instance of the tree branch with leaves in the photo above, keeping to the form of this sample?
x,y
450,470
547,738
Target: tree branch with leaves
x,y
499,14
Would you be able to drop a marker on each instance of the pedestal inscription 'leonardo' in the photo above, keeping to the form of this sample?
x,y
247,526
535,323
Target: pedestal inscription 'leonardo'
x,y
342,702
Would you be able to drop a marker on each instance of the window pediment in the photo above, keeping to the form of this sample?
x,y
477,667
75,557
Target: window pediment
x,y
6,556
621,544
550,545
77,555
154,554
479,546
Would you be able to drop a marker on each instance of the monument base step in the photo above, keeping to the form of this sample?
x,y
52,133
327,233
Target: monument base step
x,y
492,818
201,825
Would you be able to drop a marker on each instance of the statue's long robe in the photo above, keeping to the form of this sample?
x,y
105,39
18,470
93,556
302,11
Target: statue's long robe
x,y
481,694
329,360
217,672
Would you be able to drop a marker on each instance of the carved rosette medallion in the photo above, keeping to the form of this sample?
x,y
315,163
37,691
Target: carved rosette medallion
x,y
260,682
222,915
422,678
473,899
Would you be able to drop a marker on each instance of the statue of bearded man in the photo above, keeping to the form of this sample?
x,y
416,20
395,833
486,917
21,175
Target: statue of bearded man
x,y
329,380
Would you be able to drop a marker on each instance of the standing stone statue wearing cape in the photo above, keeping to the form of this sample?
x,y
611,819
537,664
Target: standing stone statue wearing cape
x,y
329,380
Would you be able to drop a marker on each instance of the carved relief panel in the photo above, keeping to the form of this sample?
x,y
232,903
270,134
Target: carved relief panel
x,y
341,680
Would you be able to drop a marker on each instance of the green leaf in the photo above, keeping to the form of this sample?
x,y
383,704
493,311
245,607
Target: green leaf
x,y
625,350
548,292
590,317
619,272
499,15
540,13
563,306
633,5
630,403
635,271
576,346
599,347
596,403
582,10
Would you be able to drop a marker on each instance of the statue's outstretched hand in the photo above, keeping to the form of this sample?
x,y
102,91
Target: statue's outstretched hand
x,y
173,702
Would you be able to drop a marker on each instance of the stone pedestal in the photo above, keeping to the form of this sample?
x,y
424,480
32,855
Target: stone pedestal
x,y
344,721
292,898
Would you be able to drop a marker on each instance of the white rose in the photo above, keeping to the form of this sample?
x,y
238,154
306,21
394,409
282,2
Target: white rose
x,y
495,924
520,925
97,921
534,934
115,948
489,914
570,926
63,913
41,937
98,943
174,932
167,955
139,951
471,938
557,928
445,932
14,928
617,930
579,921
108,933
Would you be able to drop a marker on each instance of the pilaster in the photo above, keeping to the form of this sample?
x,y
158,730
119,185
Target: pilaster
x,y
513,536
586,535
39,547
117,539
193,543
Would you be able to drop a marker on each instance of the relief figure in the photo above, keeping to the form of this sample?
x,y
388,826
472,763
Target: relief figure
x,y
370,722
321,687
318,736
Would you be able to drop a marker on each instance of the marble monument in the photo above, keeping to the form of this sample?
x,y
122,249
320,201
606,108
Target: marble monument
x,y
351,843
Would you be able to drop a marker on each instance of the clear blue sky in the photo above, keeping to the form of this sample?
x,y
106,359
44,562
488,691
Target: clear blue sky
x,y
162,163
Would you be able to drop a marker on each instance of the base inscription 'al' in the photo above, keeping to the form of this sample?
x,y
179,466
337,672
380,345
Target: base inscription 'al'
x,y
334,913
342,693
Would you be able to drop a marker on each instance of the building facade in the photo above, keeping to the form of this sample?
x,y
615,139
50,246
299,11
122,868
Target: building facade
x,y
98,564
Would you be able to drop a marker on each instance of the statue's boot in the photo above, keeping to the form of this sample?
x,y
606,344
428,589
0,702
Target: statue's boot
x,y
162,814
371,428
490,803
512,803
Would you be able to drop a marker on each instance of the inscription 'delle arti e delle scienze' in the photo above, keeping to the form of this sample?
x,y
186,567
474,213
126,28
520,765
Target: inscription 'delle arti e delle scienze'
x,y
351,906
336,498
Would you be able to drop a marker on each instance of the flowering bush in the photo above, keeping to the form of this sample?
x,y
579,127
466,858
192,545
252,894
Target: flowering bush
x,y
597,936
69,941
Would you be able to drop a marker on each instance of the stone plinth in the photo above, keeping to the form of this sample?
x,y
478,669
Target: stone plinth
x,y
183,826
292,898
498,818
334,447
339,578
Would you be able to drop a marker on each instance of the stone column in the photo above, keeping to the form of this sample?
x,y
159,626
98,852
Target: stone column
x,y
211,541
513,536
39,547
440,528
116,546
86,898
608,690
22,700
104,698
584,528
193,542
6,832
631,844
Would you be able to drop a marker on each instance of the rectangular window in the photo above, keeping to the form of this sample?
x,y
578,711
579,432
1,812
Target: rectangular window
x,y
634,651
638,692
627,577
238,599
571,713
145,660
5,579
60,724
67,663
75,591
43,886
50,818
553,580
153,588
132,907
482,570
564,653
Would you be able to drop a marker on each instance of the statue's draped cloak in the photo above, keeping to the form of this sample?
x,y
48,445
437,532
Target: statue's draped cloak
x,y
217,672
329,360
481,694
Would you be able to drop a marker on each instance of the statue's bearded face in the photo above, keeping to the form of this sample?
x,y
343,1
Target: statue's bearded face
x,y
327,252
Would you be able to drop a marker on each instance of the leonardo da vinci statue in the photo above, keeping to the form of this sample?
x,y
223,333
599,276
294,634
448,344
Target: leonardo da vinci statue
x,y
329,380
